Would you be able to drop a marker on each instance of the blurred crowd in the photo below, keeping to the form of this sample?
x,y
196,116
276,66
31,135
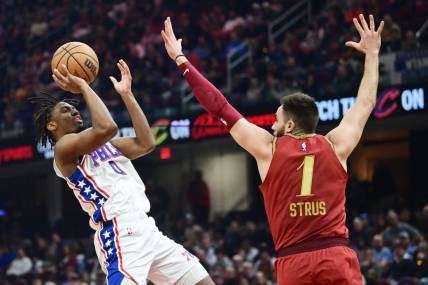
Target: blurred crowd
x,y
391,246
310,57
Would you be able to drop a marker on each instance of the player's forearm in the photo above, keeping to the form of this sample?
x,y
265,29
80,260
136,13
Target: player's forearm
x,y
143,132
100,116
207,94
369,84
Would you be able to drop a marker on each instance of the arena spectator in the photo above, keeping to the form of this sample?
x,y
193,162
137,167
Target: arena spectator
x,y
198,195
391,36
423,220
382,255
21,265
403,265
309,57
395,227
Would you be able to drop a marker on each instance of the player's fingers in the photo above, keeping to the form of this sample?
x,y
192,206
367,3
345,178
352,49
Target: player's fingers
x,y
125,67
122,70
165,37
113,80
166,23
55,78
59,75
372,25
380,29
358,27
171,31
353,45
169,25
64,69
364,23
59,82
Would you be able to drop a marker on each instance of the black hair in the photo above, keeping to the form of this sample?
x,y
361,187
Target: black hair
x,y
44,104
302,109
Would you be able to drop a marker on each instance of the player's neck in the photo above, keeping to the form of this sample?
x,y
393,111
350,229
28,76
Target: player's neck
x,y
58,136
299,134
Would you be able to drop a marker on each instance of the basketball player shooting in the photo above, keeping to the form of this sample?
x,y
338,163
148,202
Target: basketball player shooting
x,y
303,174
97,167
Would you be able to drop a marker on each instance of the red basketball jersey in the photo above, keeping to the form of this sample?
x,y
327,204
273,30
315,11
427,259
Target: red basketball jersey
x,y
304,191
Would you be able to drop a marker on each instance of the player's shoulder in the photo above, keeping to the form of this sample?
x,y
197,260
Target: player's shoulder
x,y
323,141
65,140
65,145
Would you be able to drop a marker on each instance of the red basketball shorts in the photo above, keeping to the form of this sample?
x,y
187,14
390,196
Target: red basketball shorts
x,y
336,265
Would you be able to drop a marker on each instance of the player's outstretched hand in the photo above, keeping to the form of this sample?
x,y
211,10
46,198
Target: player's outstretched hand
x,y
172,45
67,81
370,38
123,87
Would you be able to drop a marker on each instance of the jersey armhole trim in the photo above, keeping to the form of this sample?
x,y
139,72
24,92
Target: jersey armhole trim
x,y
274,142
275,139
59,171
344,171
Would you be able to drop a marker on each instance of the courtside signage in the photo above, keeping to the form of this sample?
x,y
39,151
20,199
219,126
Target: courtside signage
x,y
390,102
17,153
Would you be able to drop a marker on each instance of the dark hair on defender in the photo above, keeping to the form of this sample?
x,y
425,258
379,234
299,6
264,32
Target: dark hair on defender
x,y
302,109
44,104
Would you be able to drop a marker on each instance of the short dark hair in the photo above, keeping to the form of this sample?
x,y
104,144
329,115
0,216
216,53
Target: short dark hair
x,y
302,109
44,105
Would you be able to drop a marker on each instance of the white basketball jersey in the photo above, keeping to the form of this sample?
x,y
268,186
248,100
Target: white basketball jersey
x,y
106,182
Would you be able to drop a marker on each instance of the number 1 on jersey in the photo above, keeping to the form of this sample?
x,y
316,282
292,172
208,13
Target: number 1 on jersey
x,y
308,171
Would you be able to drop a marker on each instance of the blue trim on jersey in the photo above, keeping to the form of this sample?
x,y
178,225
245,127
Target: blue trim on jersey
x,y
107,236
87,189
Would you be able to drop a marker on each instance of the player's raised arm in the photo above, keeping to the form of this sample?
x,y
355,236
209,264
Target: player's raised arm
x,y
132,147
71,146
252,138
346,136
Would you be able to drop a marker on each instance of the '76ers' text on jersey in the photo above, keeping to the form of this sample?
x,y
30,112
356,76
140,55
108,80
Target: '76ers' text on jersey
x,y
106,185
304,191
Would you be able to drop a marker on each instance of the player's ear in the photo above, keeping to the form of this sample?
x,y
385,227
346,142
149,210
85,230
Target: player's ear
x,y
289,126
51,126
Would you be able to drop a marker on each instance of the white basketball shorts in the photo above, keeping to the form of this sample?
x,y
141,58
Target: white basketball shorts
x,y
131,247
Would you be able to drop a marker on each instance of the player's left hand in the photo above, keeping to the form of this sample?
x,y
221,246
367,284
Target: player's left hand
x,y
123,87
172,45
370,38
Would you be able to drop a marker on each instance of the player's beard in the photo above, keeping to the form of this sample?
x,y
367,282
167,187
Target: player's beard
x,y
80,128
279,133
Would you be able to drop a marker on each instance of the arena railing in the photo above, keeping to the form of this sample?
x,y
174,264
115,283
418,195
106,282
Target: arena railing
x,y
289,18
234,58
421,30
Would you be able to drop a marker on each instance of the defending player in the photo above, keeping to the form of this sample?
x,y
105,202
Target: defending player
x,y
97,167
304,174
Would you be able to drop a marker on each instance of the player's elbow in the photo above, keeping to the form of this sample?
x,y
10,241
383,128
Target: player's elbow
x,y
148,146
109,130
151,147
112,129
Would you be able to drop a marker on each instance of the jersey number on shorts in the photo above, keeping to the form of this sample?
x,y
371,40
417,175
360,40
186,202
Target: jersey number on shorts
x,y
116,168
308,171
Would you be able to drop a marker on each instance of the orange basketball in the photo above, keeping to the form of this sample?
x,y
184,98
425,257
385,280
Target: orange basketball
x,y
80,59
